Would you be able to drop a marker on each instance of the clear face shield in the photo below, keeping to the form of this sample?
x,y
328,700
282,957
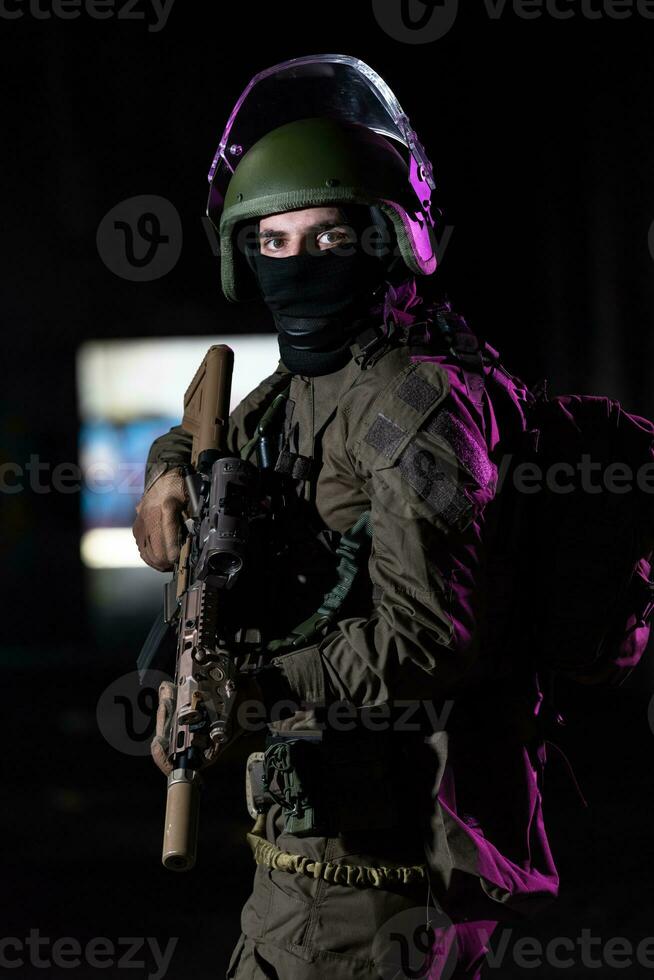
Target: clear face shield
x,y
334,85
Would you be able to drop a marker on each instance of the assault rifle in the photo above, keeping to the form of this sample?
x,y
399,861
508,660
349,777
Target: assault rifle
x,y
204,600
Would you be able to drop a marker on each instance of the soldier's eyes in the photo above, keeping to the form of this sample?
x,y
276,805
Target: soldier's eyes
x,y
333,237
274,244
326,239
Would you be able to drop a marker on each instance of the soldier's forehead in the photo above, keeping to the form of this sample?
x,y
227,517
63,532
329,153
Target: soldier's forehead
x,y
305,218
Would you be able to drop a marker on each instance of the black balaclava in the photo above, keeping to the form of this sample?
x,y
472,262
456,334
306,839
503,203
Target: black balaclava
x,y
320,301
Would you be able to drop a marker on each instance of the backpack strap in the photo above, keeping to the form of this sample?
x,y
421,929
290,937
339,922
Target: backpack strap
x,y
464,346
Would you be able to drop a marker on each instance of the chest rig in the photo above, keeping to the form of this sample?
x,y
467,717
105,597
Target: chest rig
x,y
368,345
296,769
440,330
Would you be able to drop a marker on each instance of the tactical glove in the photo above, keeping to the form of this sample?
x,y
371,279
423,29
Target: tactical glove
x,y
248,697
159,520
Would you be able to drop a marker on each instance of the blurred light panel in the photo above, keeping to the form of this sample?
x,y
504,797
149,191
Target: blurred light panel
x,y
130,392
123,380
110,547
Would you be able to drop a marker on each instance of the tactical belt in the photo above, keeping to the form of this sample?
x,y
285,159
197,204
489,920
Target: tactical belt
x,y
354,875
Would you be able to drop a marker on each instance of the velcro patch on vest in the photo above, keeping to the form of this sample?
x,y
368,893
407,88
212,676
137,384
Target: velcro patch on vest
x,y
472,456
423,456
294,465
418,393
399,411
385,436
434,484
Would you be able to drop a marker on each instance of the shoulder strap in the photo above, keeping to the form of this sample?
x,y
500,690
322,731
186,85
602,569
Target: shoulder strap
x,y
464,347
269,417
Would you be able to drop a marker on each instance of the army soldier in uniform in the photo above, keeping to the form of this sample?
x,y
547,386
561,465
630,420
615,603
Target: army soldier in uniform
x,y
395,419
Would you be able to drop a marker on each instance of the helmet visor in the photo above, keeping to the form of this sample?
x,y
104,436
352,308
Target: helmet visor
x,y
334,85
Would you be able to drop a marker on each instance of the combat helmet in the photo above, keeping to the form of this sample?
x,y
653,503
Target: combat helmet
x,y
315,131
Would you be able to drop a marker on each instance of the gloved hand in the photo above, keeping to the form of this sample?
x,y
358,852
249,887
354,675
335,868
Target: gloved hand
x,y
159,520
161,739
248,691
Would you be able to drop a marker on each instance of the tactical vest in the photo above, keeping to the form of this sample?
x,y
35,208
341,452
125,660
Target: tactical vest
x,y
569,576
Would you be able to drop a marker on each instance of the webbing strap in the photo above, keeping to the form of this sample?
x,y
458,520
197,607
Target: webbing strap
x,y
355,875
465,347
349,551
268,418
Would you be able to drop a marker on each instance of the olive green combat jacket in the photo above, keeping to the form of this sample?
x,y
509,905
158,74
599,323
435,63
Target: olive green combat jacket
x,y
409,437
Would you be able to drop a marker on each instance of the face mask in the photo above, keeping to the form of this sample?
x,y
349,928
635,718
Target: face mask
x,y
319,303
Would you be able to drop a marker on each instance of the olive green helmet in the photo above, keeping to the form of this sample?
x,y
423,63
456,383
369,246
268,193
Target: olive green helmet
x,y
352,145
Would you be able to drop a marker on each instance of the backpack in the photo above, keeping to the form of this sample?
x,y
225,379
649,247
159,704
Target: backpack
x,y
569,570
586,536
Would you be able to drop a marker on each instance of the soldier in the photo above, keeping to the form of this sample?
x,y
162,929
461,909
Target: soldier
x,y
430,799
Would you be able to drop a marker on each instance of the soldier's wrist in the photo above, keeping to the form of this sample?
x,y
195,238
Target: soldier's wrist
x,y
154,474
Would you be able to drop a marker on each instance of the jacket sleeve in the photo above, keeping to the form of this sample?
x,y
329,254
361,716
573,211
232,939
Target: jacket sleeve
x,y
426,474
174,447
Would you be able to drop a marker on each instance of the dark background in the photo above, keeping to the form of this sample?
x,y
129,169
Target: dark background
x,y
541,137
